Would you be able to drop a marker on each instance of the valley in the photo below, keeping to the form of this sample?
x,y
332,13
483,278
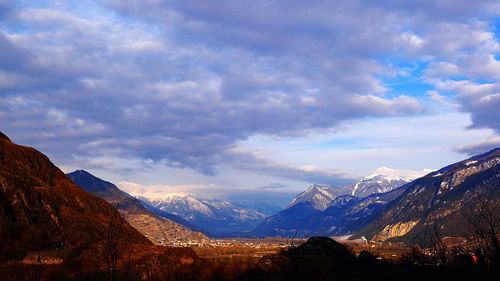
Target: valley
x,y
56,225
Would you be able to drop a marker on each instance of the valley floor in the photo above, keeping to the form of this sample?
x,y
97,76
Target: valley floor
x,y
273,259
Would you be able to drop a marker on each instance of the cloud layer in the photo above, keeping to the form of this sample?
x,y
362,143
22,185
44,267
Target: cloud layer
x,y
182,82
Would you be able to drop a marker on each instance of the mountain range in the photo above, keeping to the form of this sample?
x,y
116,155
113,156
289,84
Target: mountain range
x,y
52,229
391,208
322,196
41,206
160,227
445,199
173,218
218,217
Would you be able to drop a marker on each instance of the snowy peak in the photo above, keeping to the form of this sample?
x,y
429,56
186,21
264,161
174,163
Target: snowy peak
x,y
218,217
320,196
376,184
181,204
446,195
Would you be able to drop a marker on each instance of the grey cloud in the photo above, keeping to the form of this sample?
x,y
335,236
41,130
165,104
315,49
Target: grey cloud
x,y
247,160
481,100
189,79
480,147
274,185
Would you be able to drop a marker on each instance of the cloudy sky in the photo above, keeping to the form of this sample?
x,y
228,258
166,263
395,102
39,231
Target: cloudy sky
x,y
223,97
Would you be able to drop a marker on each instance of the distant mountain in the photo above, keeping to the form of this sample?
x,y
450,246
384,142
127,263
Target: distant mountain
x,y
443,198
40,207
324,210
401,210
298,220
160,227
346,214
375,183
261,207
319,196
217,217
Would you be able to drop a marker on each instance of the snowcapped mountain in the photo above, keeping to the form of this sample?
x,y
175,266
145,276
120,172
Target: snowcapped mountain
x,y
346,214
444,197
328,210
320,196
386,207
217,217
375,183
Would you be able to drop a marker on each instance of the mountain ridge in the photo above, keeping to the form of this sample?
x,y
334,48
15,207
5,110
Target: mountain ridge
x,y
375,183
158,227
374,217
440,198
217,217
320,196
38,202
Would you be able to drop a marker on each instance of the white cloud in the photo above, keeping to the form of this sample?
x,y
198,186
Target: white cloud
x,y
123,85
160,191
398,173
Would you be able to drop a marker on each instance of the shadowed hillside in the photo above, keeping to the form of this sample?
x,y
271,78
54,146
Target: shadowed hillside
x,y
40,206
51,229
160,230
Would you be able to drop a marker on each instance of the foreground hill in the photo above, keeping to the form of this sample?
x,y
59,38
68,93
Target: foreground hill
x,y
161,228
324,259
40,205
51,229
442,200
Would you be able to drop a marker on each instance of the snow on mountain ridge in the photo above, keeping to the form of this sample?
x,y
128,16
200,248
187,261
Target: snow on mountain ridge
x,y
375,184
398,174
189,207
320,196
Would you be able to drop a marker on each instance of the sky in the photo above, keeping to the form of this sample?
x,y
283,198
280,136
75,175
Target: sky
x,y
250,98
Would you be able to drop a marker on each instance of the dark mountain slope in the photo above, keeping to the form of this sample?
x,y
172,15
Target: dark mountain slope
x,y
157,226
40,206
298,220
444,198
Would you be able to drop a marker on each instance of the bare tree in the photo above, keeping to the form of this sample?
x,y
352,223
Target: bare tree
x,y
114,248
484,228
439,249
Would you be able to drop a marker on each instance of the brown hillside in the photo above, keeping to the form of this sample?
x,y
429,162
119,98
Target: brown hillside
x,y
40,207
160,230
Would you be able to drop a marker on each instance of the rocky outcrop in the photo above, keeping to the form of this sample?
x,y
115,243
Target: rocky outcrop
x,y
396,230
